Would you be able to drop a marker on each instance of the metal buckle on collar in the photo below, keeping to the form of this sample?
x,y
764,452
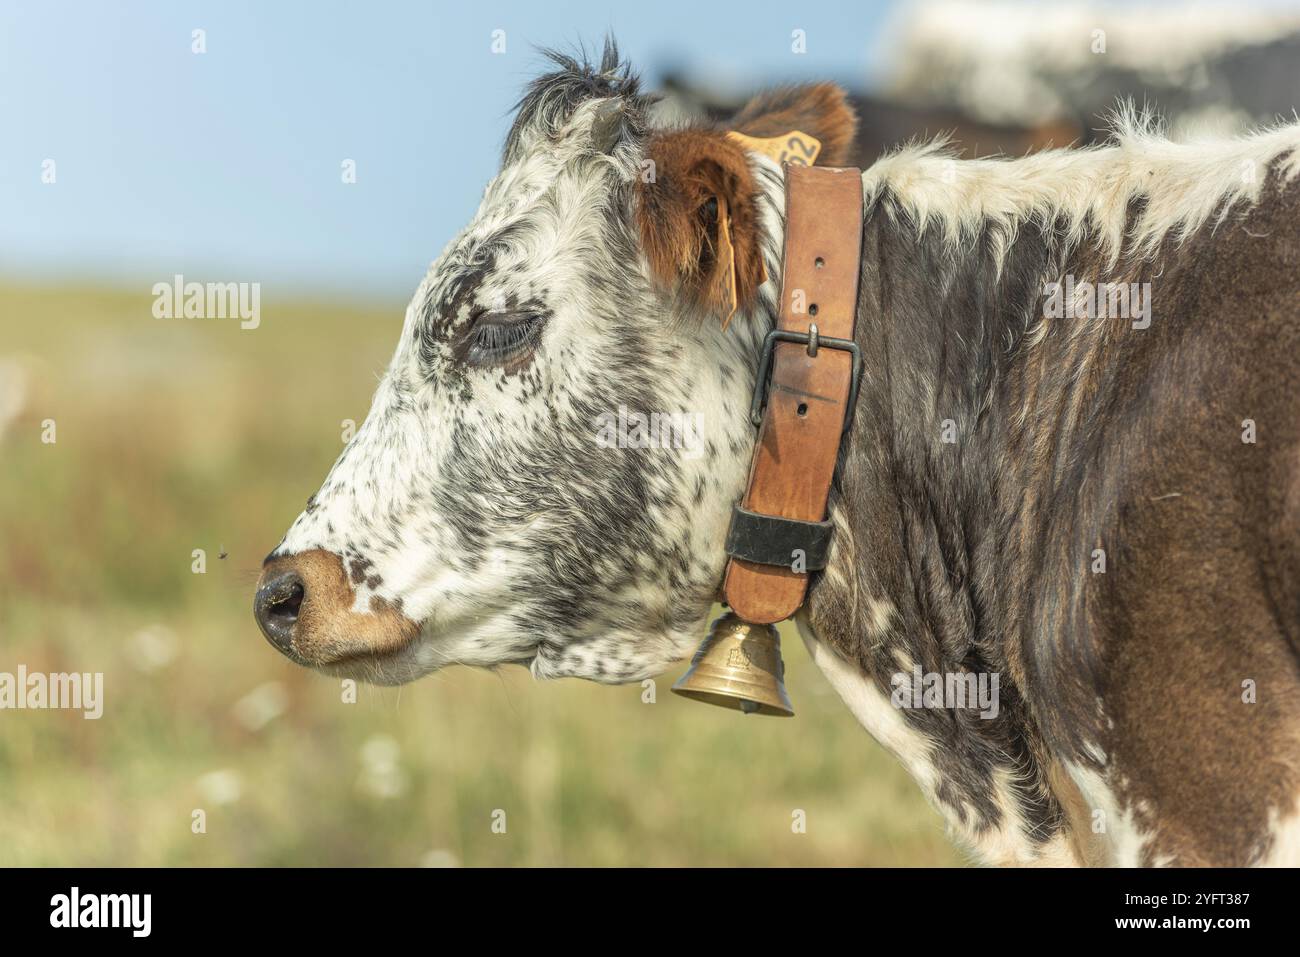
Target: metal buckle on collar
x,y
815,342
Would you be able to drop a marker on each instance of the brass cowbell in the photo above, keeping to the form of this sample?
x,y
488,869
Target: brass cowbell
x,y
739,666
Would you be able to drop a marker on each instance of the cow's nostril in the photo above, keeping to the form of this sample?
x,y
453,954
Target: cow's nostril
x,y
287,601
276,608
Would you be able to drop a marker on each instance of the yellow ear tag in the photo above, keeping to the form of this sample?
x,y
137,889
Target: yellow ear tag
x,y
793,147
726,261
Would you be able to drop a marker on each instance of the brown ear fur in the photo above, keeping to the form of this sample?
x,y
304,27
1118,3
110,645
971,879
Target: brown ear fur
x,y
679,236
820,109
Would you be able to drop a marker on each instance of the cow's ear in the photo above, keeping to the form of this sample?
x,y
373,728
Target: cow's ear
x,y
697,213
820,110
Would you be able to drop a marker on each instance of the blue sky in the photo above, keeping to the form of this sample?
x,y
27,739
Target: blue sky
x,y
226,165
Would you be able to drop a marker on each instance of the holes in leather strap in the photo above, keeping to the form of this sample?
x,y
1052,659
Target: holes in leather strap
x,y
818,263
803,409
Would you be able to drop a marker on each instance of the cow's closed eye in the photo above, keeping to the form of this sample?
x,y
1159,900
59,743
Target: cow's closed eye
x,y
501,338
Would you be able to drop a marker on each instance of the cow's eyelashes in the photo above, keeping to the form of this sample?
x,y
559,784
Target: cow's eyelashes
x,y
499,338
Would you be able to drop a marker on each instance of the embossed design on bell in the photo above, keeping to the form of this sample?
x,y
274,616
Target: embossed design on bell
x,y
739,666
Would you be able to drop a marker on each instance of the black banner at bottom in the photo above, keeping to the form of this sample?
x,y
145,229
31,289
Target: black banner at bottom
x,y
335,906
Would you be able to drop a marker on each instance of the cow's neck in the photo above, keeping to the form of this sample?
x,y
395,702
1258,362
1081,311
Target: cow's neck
x,y
916,570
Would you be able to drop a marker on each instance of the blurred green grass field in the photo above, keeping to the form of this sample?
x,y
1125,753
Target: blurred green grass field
x,y
175,435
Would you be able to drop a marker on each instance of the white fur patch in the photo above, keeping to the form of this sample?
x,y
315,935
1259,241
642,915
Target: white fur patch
x,y
1285,849
872,708
1005,845
1115,831
1088,191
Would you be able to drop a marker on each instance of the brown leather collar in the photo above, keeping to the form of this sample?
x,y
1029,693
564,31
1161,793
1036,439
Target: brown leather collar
x,y
778,531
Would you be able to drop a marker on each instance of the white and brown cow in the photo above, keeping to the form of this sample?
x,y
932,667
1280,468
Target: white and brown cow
x,y
1103,510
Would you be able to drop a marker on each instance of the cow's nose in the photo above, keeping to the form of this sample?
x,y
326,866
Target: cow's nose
x,y
276,608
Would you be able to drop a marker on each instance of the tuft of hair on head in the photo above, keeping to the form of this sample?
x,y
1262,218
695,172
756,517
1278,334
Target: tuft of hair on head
x,y
821,110
698,219
551,99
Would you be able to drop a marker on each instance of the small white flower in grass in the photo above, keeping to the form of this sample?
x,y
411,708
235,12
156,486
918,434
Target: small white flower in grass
x,y
381,773
441,857
380,750
152,649
223,786
261,706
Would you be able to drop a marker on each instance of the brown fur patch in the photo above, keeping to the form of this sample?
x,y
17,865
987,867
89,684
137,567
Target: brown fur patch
x,y
680,227
820,109
684,236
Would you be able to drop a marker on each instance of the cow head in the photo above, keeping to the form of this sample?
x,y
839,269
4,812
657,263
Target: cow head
x,y
547,470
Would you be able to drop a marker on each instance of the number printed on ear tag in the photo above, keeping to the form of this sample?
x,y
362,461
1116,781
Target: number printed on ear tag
x,y
793,147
